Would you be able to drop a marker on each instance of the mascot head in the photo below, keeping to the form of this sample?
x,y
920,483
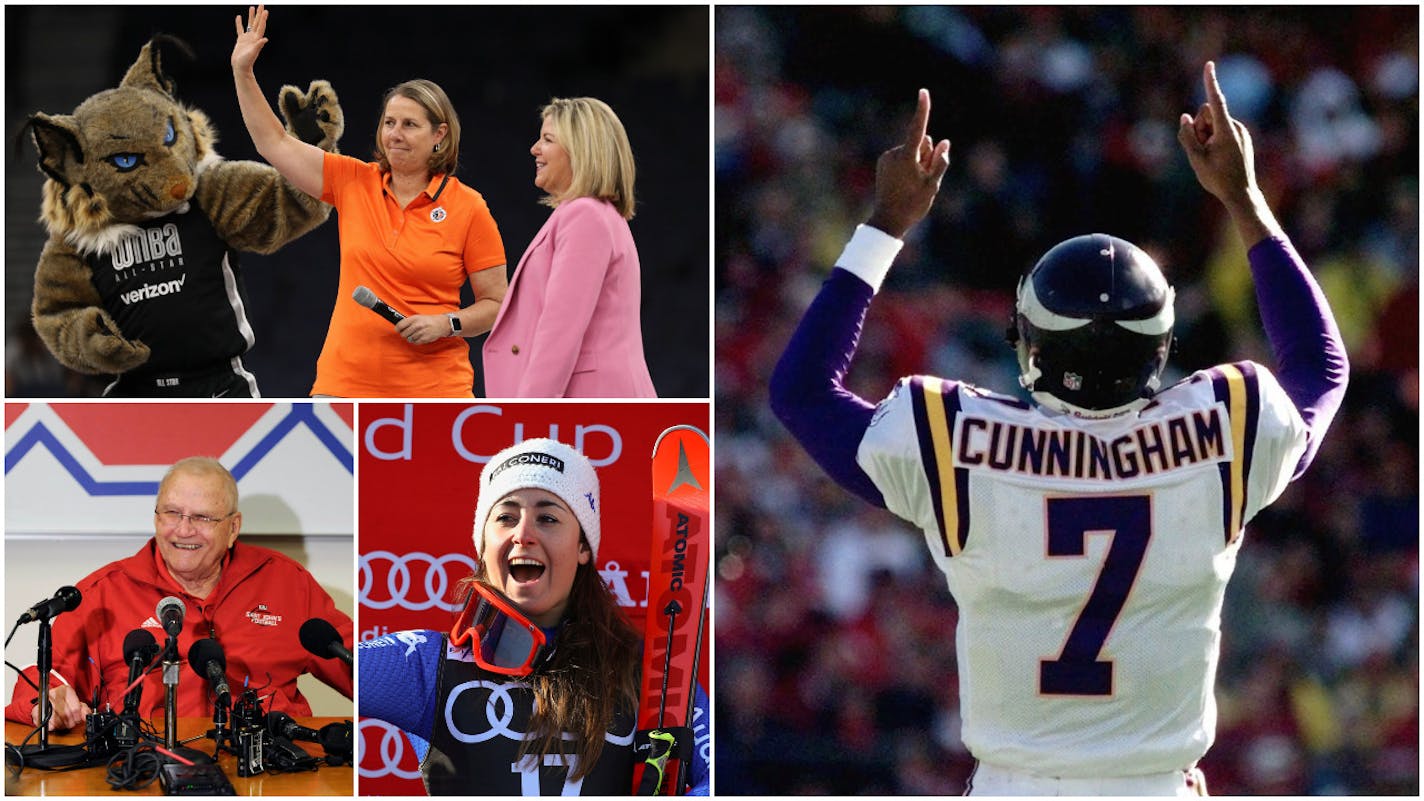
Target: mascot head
x,y
125,155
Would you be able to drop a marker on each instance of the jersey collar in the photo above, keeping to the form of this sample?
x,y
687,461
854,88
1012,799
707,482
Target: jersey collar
x,y
433,189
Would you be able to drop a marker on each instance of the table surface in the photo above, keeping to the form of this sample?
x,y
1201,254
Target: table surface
x,y
325,780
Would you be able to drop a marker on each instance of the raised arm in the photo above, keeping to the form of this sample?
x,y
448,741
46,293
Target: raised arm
x,y
808,392
1311,363
297,161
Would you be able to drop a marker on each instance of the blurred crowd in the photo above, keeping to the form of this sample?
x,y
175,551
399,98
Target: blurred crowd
x,y
835,649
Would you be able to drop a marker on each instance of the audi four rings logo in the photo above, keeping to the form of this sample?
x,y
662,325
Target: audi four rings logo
x,y
414,581
499,713
392,751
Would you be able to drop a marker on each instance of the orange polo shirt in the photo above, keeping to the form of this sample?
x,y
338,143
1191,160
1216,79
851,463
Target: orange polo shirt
x,y
415,259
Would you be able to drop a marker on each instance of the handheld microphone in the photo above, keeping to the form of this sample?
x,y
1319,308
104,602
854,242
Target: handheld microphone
x,y
280,724
170,614
321,638
207,660
65,599
367,298
139,649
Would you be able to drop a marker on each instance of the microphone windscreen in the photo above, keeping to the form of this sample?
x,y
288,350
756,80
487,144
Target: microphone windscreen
x,y
317,635
206,650
169,602
335,738
139,643
365,297
71,596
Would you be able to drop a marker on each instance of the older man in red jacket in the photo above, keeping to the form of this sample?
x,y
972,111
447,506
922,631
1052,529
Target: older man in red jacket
x,y
252,600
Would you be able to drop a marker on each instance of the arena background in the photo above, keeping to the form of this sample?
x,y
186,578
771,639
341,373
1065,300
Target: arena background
x,y
499,65
81,479
835,654
419,481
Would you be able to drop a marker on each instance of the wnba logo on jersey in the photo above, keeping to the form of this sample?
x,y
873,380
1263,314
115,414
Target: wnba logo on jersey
x,y
155,248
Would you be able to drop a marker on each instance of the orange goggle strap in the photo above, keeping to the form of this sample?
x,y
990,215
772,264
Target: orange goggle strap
x,y
474,631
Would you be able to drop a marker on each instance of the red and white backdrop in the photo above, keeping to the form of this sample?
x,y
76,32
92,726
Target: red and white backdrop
x,y
93,468
418,474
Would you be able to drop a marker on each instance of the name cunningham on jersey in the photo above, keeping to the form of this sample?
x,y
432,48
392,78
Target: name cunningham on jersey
x,y
1185,440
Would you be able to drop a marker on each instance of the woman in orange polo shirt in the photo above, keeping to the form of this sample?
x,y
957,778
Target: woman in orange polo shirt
x,y
410,232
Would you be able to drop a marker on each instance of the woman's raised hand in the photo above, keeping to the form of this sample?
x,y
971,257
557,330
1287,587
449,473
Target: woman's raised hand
x,y
249,39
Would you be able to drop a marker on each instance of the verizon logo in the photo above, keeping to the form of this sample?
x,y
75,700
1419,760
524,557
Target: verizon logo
x,y
148,291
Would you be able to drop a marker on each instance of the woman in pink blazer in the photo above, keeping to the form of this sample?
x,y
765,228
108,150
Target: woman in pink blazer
x,y
569,326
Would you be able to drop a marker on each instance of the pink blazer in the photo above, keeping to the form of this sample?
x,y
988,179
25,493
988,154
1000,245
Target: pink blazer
x,y
569,326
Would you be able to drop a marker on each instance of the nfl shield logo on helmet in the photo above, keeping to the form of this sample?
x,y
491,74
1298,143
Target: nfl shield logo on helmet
x,y
437,214
1072,381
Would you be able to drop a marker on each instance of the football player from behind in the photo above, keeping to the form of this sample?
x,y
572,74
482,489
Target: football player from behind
x,y
1087,537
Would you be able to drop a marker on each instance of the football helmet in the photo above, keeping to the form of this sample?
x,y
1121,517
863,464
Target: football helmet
x,y
1092,327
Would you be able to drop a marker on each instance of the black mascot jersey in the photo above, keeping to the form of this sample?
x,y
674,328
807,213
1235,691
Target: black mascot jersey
x,y
480,720
176,287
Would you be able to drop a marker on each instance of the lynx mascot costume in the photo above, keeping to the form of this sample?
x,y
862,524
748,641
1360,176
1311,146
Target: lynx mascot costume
x,y
140,275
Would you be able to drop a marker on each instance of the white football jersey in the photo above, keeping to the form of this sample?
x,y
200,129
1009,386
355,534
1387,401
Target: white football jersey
x,y
1088,557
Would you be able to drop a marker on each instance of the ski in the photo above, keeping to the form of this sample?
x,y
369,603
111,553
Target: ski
x,y
677,609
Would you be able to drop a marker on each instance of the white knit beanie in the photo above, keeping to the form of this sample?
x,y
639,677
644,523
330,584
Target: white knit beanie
x,y
543,464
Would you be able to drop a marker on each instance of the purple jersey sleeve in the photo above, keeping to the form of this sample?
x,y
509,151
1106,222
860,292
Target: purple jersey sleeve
x,y
807,388
1310,356
398,674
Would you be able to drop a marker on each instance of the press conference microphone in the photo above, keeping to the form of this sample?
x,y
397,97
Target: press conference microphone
x,y
139,649
280,724
367,298
170,614
65,599
207,660
321,638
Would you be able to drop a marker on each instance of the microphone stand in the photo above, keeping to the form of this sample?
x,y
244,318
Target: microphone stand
x,y
170,693
44,661
42,754
221,732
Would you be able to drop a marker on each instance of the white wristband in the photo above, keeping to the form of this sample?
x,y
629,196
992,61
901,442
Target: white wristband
x,y
868,255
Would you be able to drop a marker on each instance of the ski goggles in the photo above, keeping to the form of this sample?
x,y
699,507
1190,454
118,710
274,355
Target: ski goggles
x,y
500,638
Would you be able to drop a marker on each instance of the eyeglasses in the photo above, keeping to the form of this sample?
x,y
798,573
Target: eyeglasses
x,y
202,522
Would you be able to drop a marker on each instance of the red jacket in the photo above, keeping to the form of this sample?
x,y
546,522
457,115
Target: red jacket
x,y
261,601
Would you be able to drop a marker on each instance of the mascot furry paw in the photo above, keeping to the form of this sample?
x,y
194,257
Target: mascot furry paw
x,y
140,277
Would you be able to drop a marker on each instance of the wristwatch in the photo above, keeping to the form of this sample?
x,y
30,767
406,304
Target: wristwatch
x,y
454,323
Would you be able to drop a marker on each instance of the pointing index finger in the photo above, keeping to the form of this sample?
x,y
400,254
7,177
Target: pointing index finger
x,y
915,136
1214,97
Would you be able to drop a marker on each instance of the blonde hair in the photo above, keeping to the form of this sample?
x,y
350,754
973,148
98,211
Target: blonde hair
x,y
438,109
599,154
207,467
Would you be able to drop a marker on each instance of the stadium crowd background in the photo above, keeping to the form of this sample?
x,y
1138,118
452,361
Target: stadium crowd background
x,y
498,64
835,651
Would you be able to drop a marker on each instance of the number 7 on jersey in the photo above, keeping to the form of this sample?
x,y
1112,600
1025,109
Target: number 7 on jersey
x,y
1128,520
